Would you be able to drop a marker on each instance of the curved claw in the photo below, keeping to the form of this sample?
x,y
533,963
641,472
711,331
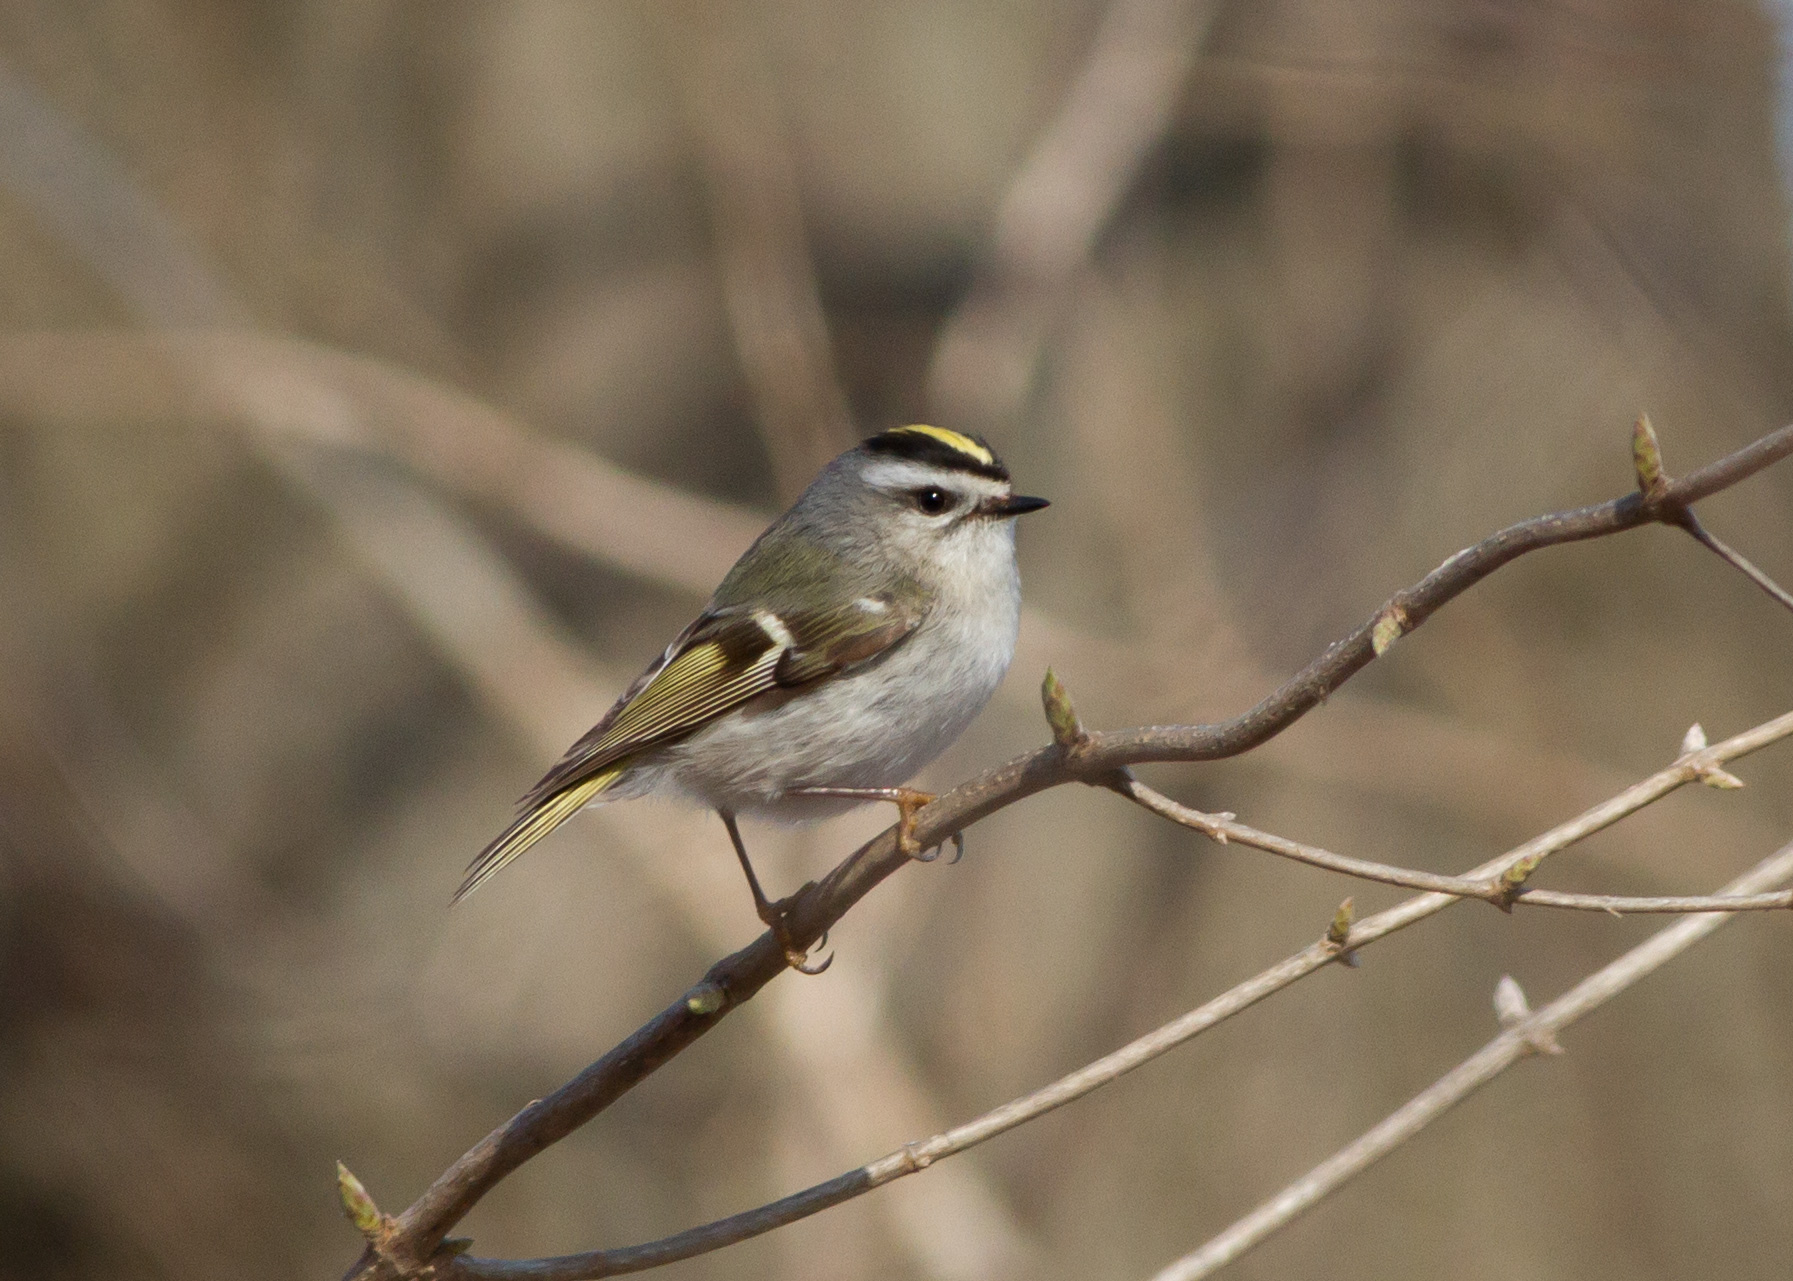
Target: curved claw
x,y
933,851
795,957
803,965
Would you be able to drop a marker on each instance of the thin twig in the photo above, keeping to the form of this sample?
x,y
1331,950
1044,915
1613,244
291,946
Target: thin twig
x,y
420,1229
1502,890
913,1157
1658,905
1736,559
1517,1042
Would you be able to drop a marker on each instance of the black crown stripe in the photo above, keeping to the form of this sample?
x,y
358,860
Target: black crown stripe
x,y
938,448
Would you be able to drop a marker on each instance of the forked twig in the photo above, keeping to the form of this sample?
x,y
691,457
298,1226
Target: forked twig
x,y
1653,482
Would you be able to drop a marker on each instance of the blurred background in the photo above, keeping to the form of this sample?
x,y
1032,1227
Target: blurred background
x,y
381,385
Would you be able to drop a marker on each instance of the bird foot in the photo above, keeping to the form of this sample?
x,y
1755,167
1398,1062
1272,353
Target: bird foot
x,y
907,800
795,957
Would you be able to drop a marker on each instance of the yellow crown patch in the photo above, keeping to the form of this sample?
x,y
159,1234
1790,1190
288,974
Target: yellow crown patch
x,y
951,439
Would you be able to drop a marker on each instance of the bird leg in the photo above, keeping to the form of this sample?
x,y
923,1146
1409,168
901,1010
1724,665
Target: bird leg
x,y
907,800
770,913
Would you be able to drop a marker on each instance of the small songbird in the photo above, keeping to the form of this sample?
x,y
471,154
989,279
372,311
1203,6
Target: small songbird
x,y
855,640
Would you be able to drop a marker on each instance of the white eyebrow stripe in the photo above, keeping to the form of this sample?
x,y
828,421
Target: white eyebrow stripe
x,y
872,605
892,474
774,627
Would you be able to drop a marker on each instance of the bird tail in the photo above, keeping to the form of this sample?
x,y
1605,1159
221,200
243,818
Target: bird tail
x,y
532,824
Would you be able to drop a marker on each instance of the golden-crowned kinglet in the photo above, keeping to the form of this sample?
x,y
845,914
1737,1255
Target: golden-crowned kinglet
x,y
847,648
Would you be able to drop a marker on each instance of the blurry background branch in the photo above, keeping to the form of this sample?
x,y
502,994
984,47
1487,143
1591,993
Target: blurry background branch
x,y
153,262
768,281
286,390
1075,175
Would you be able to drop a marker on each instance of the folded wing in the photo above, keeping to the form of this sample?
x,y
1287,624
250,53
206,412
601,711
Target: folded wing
x,y
724,659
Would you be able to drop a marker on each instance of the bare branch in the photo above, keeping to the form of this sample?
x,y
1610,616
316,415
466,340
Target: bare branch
x,y
1659,905
1407,609
1342,939
1524,1037
421,1227
1506,889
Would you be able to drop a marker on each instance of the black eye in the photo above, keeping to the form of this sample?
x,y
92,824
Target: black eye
x,y
931,499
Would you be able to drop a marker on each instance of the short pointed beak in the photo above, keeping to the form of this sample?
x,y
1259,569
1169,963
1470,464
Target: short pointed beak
x,y
1013,505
